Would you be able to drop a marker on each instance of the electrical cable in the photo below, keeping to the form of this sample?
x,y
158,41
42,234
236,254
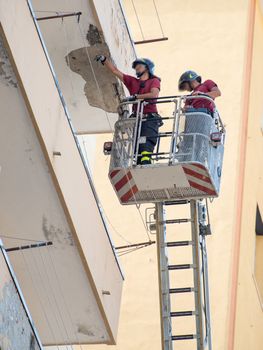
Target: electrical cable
x,y
21,239
41,11
48,291
51,288
138,20
62,294
128,250
158,17
132,250
38,296
67,58
53,11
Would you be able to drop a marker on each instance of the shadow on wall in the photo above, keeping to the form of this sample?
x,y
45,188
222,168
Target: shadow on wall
x,y
102,89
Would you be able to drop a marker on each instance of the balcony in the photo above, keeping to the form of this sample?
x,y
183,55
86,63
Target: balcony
x,y
73,286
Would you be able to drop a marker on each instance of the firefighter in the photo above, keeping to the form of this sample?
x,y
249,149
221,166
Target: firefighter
x,y
197,123
192,82
145,86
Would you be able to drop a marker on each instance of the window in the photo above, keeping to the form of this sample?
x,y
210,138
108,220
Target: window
x,y
259,223
259,254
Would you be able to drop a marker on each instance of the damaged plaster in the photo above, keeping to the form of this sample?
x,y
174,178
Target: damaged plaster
x,y
7,76
101,89
94,36
15,329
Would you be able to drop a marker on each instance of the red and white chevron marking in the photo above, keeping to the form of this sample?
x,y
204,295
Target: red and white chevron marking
x,y
124,184
198,178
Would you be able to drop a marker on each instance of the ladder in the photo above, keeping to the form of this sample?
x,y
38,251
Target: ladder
x,y
200,288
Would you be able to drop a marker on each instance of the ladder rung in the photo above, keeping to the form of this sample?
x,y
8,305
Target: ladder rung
x,y
178,243
180,267
184,337
181,290
177,221
182,313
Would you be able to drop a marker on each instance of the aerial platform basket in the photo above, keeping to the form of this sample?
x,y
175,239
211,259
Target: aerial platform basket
x,y
187,160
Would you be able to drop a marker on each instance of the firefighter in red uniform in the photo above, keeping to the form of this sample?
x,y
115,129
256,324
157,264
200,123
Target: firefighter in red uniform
x,y
145,86
194,108
192,82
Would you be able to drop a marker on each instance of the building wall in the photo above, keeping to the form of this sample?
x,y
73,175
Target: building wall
x,y
211,39
249,308
91,93
259,267
47,196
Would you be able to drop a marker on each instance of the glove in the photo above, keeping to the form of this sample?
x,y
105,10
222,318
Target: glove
x,y
129,98
101,59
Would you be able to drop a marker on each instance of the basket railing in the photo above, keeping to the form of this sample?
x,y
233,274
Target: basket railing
x,y
186,136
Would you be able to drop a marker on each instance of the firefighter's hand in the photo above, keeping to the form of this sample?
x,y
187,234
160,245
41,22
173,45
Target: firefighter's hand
x,y
130,98
195,93
101,58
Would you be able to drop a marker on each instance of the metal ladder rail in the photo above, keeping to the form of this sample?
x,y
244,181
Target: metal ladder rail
x,y
200,274
197,273
208,337
164,281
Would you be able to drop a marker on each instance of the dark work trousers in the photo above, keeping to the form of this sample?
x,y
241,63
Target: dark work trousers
x,y
149,130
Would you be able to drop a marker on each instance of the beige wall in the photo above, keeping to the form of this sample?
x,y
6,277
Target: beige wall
x,y
259,267
249,314
32,187
211,39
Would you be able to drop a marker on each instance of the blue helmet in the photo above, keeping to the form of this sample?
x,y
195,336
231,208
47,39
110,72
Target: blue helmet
x,y
148,63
